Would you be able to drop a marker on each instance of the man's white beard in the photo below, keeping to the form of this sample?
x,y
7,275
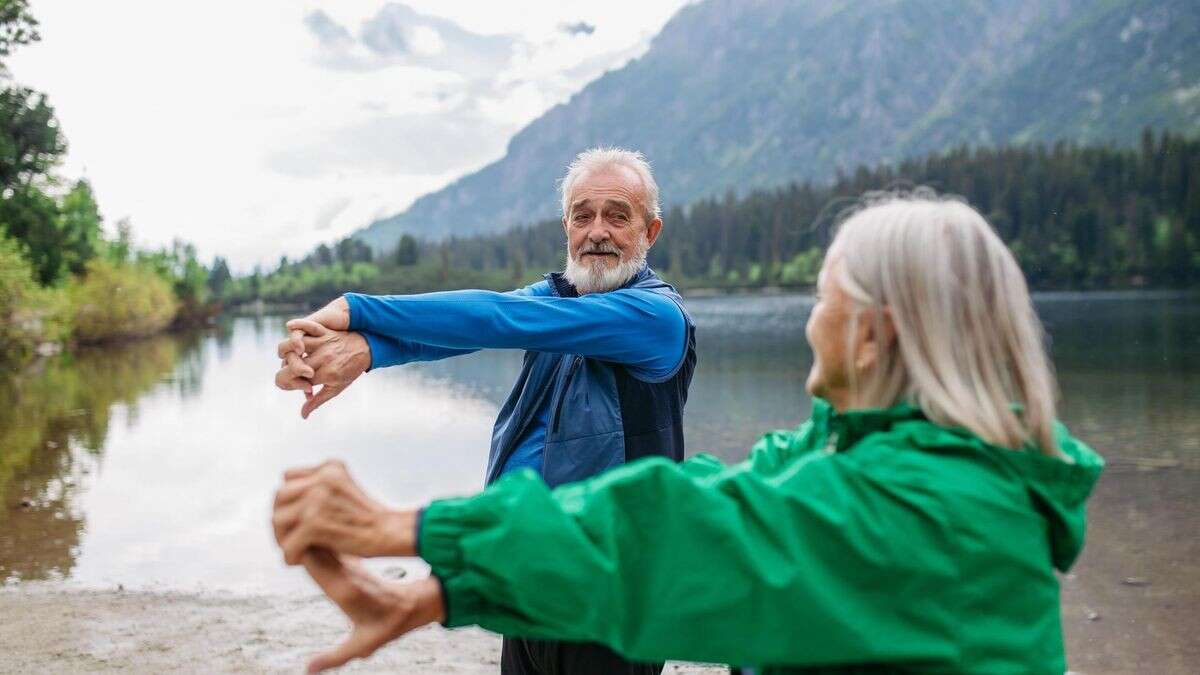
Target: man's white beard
x,y
600,278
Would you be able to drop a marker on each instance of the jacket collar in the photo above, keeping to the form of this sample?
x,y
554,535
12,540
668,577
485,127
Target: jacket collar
x,y
852,426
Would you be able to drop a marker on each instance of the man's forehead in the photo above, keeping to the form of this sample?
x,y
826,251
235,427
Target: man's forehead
x,y
616,184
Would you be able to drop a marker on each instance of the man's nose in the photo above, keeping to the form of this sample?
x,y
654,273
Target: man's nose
x,y
597,232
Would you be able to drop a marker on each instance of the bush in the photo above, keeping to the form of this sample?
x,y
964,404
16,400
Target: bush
x,y
114,301
29,315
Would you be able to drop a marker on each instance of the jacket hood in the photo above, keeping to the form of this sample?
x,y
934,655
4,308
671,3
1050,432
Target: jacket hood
x,y
1059,486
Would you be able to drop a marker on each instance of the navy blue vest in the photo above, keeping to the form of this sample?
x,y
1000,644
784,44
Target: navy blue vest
x,y
600,415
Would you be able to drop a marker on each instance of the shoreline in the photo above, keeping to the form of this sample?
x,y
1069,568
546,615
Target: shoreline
x,y
55,628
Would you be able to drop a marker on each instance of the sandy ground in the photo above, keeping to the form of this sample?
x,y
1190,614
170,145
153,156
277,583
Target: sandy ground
x,y
55,630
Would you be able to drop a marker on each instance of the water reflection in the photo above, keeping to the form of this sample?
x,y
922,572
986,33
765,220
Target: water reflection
x,y
54,422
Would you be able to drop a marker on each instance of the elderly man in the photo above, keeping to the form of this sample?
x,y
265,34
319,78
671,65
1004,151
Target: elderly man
x,y
609,354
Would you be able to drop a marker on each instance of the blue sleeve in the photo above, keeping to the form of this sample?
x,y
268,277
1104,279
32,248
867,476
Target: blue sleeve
x,y
393,351
642,330
388,351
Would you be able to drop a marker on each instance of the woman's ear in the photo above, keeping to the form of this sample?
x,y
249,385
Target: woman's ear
x,y
876,333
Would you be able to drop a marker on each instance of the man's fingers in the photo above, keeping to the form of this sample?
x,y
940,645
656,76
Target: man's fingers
x,y
307,326
318,399
287,380
299,368
312,343
293,344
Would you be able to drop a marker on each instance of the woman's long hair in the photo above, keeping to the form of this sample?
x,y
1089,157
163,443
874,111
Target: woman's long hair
x,y
969,348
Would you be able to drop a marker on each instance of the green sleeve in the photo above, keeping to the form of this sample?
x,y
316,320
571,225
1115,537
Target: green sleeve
x,y
815,563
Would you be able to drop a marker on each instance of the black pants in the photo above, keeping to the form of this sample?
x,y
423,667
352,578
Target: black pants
x,y
542,657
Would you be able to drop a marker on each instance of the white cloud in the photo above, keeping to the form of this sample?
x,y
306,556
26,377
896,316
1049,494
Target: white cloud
x,y
241,125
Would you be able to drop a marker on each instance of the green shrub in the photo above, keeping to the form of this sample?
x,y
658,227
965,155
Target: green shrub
x,y
29,314
114,301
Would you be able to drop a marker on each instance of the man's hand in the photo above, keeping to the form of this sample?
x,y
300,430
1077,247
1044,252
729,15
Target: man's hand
x,y
332,358
379,610
323,507
334,316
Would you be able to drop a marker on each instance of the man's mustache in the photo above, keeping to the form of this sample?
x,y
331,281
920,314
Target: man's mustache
x,y
599,248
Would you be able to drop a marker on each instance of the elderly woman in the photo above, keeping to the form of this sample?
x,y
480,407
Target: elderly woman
x,y
914,523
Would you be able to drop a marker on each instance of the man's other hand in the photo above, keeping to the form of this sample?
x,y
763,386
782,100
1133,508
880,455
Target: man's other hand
x,y
379,610
331,358
322,507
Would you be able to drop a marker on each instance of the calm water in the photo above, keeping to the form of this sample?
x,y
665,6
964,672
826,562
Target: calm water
x,y
153,464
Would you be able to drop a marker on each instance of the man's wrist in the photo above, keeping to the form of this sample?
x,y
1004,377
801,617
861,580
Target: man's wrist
x,y
360,348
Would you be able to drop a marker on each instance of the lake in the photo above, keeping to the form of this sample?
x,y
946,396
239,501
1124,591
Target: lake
x,y
152,465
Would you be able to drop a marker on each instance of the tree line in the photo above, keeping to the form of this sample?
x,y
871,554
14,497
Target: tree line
x,y
1078,217
62,279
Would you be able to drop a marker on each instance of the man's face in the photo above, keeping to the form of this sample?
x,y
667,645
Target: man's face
x,y
606,225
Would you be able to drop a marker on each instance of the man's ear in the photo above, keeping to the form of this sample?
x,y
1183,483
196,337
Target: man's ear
x,y
653,228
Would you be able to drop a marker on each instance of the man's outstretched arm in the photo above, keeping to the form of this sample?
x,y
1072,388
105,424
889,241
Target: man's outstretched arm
x,y
640,329
320,350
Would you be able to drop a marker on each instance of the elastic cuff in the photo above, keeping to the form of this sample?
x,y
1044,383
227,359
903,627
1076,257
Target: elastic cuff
x,y
417,533
384,352
463,605
438,535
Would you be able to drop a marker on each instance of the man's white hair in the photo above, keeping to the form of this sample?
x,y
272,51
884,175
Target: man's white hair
x,y
597,159
969,347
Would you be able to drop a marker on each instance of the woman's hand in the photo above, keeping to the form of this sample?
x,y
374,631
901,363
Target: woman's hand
x,y
322,507
379,610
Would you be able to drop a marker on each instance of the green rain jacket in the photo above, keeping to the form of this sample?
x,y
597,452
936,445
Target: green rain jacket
x,y
860,542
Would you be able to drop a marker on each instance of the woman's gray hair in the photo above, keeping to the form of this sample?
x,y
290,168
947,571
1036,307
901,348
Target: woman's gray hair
x,y
969,348
596,159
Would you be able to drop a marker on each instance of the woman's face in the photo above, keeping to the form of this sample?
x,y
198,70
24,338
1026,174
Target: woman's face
x,y
826,333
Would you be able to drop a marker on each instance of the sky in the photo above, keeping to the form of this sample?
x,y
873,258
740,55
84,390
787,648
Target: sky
x,y
260,129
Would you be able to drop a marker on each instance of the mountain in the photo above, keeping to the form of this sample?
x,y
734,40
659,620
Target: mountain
x,y
741,94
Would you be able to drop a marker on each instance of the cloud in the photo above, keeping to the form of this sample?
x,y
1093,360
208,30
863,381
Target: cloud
x,y
327,213
328,32
399,35
398,144
578,28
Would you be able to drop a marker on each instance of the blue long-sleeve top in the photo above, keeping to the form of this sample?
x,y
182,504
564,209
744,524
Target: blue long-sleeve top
x,y
640,329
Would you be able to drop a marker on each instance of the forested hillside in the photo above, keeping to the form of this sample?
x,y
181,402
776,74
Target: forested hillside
x,y
1076,217
750,94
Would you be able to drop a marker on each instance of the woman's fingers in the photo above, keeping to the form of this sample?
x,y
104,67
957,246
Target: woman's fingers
x,y
361,643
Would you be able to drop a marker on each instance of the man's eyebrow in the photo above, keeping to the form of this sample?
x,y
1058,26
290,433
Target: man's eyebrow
x,y
609,203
